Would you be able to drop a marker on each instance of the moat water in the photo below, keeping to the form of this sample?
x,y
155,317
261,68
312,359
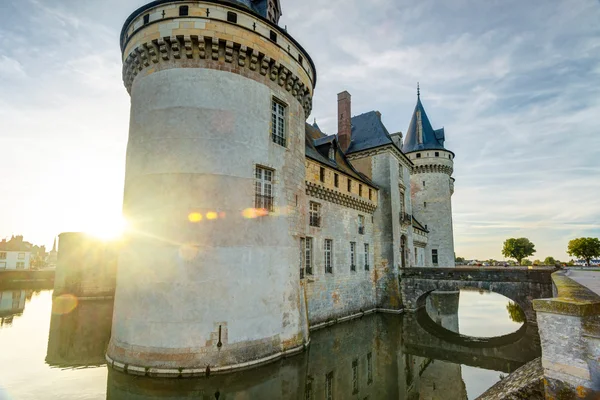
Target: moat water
x,y
58,353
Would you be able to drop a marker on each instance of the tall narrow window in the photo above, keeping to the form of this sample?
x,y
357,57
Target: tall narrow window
x,y
302,257
361,224
355,377
328,256
332,153
423,183
400,171
352,256
278,123
315,214
273,36
232,17
360,190
300,59
349,186
146,19
308,256
329,386
184,11
370,194
308,395
322,174
367,267
416,256
369,368
434,256
424,204
264,189
336,180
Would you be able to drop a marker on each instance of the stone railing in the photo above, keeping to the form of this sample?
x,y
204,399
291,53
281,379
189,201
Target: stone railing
x,y
569,326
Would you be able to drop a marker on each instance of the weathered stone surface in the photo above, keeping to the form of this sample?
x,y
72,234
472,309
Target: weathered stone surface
x,y
526,383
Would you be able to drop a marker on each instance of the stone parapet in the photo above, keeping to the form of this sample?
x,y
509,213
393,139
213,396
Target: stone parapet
x,y
569,326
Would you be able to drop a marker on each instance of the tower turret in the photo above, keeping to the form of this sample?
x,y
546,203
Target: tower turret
x,y
208,276
432,185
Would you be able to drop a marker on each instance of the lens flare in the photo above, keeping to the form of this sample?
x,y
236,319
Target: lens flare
x,y
64,304
212,216
252,213
195,217
188,251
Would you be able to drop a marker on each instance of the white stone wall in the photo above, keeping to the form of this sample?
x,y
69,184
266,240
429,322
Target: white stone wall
x,y
343,292
433,188
196,136
12,258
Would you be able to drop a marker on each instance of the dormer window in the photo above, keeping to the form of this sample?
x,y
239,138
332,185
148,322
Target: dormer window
x,y
332,153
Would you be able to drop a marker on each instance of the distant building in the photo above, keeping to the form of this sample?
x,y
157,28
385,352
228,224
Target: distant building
x,y
15,254
583,263
12,303
52,256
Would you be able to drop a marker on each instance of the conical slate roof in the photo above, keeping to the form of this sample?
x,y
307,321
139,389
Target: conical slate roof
x,y
421,135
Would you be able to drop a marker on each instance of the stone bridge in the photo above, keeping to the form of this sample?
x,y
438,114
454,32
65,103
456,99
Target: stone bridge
x,y
521,285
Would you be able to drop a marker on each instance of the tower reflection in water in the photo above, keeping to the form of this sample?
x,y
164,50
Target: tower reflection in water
x,y
12,304
376,357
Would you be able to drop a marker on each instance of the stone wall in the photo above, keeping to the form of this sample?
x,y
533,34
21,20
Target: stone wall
x,y
570,334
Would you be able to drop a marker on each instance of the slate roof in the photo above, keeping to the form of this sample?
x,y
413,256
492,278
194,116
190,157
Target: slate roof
x,y
418,225
368,132
432,139
317,149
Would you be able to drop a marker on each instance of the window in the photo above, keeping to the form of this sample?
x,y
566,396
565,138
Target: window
x,y
434,256
308,256
300,59
146,19
416,256
332,153
302,255
2,265
278,123
232,17
360,190
184,11
328,256
308,393
449,156
349,186
423,183
400,170
369,368
273,36
329,386
370,194
352,256
21,256
336,180
437,153
322,174
367,257
355,377
418,155
20,265
3,255
315,214
361,225
264,189
424,204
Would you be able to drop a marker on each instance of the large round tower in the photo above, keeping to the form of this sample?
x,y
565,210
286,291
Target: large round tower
x,y
432,187
208,276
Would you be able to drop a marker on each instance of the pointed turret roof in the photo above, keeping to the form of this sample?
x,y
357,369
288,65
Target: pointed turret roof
x,y
421,135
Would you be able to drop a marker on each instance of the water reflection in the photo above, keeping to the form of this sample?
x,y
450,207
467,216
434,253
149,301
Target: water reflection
x,y
12,304
80,337
376,357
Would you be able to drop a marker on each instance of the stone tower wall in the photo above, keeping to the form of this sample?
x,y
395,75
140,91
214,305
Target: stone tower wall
x,y
204,280
432,183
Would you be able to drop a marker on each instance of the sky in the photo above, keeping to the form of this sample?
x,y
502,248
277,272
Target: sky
x,y
515,85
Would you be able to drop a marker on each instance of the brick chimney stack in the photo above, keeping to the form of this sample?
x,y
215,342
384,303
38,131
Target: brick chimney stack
x,y
344,120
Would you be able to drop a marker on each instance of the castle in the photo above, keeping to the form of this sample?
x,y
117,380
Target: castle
x,y
251,227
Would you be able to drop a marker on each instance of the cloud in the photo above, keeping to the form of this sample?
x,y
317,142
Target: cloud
x,y
11,68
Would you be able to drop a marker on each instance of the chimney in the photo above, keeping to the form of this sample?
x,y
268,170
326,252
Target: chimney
x,y
344,120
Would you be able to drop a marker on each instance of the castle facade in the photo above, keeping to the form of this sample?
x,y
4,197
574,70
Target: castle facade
x,y
251,227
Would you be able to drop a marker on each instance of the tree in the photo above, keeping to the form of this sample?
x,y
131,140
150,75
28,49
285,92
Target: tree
x,y
518,249
526,262
584,248
460,260
515,312
537,262
550,261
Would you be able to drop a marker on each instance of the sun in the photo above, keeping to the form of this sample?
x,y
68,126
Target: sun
x,y
107,228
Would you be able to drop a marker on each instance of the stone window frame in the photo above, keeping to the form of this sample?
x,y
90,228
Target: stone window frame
x,y
355,376
329,386
328,255
349,185
184,11
308,255
322,174
353,256
264,188
279,113
232,17
370,194
435,256
314,214
361,224
367,256
336,180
